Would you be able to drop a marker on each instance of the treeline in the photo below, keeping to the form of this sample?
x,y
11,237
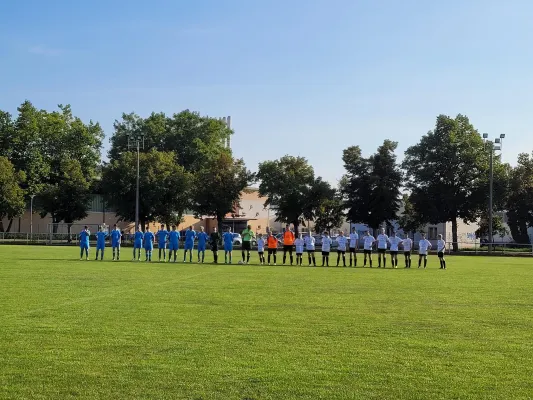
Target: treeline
x,y
185,165
55,157
443,178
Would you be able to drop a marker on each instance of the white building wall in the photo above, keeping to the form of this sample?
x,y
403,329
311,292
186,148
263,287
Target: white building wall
x,y
253,208
466,234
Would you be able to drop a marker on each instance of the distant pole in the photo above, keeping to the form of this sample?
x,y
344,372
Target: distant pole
x,y
227,121
137,189
491,184
31,215
497,144
136,141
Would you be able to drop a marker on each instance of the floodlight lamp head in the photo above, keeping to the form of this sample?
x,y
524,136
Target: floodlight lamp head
x,y
497,148
485,136
502,136
497,140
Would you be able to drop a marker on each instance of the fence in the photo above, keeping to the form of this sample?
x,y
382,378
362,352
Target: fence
x,y
497,249
463,248
38,238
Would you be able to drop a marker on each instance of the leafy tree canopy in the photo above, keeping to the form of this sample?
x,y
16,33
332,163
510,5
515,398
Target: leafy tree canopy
x,y
218,185
447,173
164,187
192,138
520,200
371,186
12,202
287,183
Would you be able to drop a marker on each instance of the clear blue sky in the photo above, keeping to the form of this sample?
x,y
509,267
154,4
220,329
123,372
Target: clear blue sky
x,y
298,77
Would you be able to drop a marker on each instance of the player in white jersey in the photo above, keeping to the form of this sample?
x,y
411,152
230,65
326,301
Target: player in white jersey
x,y
310,248
394,243
326,247
423,248
441,246
368,241
261,249
342,241
299,245
383,240
354,244
407,245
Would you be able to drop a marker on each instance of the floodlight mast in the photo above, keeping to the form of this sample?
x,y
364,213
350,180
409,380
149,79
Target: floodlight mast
x,y
492,148
136,141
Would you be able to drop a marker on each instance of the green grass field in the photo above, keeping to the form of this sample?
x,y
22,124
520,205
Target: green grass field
x,y
102,330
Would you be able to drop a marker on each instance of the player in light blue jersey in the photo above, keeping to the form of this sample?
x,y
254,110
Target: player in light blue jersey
x,y
100,243
190,235
173,243
84,243
162,237
149,239
138,244
227,238
202,241
116,237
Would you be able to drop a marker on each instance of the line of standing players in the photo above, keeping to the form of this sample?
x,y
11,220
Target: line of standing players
x,y
170,240
166,240
348,244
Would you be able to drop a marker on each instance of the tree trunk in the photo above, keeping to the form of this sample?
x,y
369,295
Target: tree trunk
x,y
523,237
220,218
9,225
518,231
296,227
514,229
455,245
69,230
54,224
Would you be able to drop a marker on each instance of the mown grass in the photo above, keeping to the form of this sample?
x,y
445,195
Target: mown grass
x,y
103,330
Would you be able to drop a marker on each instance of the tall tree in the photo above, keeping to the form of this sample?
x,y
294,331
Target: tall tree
x,y
371,186
218,185
193,140
520,199
22,143
164,187
319,191
286,183
6,132
66,197
447,173
71,149
329,214
12,202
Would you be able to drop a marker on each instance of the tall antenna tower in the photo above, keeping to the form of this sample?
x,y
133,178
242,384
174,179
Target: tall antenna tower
x,y
227,122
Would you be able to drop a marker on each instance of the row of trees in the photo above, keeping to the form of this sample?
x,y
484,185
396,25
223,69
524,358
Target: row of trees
x,y
55,158
52,155
185,165
443,178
